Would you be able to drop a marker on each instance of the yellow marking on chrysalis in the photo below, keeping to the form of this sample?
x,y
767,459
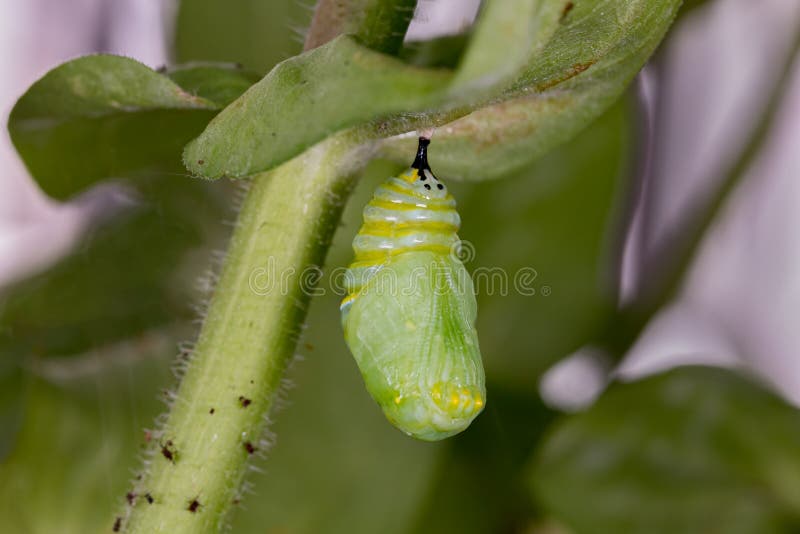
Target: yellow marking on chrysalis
x,y
349,298
399,229
478,401
404,206
466,398
436,392
403,191
410,177
454,400
365,257
398,399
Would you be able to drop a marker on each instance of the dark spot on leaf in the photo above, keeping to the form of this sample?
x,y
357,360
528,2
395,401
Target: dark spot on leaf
x,y
577,68
200,161
244,402
130,497
249,447
117,524
211,411
148,498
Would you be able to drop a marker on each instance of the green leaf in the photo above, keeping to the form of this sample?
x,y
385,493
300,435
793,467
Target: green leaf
x,y
10,402
303,100
221,83
441,52
480,485
597,48
76,450
255,33
125,278
103,116
507,35
695,450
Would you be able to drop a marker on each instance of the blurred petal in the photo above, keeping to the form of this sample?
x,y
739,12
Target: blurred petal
x,y
740,298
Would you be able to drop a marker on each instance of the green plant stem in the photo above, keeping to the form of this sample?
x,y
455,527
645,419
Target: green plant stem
x,y
379,24
248,336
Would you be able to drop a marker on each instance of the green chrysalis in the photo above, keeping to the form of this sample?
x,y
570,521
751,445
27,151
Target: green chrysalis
x,y
409,315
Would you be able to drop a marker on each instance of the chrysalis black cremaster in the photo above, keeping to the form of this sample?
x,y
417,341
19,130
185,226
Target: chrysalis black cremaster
x,y
409,315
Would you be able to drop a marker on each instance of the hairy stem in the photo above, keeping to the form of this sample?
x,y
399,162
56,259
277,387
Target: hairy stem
x,y
379,24
218,416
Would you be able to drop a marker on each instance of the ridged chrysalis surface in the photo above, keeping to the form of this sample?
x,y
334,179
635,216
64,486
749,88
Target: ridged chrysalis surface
x,y
410,310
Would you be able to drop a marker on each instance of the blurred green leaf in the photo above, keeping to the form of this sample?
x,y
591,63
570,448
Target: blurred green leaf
x,y
695,450
89,119
595,52
126,277
103,116
76,451
99,117
481,486
10,403
508,33
441,52
221,83
255,33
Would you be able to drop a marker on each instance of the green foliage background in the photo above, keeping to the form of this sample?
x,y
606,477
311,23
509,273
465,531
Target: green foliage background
x,y
87,348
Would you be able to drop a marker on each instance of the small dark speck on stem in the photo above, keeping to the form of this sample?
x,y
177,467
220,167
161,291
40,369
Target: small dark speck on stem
x,y
194,505
249,447
117,524
244,402
168,451
567,9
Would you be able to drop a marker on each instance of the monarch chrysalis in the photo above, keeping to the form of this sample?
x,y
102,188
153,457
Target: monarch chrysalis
x,y
409,315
